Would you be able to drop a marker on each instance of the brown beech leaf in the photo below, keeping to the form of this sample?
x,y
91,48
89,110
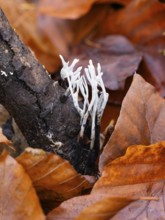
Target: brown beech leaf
x,y
71,9
149,198
72,208
139,175
85,25
118,57
142,21
140,164
18,199
104,209
53,177
141,120
145,207
155,64
65,33
150,13
23,17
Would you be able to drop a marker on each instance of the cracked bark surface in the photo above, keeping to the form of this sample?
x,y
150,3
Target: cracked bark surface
x,y
37,105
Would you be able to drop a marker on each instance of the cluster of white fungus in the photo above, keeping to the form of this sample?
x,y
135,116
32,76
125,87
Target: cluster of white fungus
x,y
77,84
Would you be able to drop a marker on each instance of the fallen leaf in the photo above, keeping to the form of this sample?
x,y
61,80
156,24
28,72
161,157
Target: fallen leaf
x,y
149,195
84,26
71,208
140,164
142,22
18,199
71,9
139,175
150,13
53,177
65,34
155,63
118,57
104,209
141,121
149,207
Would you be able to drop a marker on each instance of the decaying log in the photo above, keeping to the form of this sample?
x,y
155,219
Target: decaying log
x,y
45,116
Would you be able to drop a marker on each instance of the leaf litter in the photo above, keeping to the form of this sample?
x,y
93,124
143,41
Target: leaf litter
x,y
131,185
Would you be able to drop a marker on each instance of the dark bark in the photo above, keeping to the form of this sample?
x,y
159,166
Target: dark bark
x,y
38,105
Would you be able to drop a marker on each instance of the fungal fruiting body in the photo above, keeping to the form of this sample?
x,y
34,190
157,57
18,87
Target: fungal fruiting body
x,y
77,85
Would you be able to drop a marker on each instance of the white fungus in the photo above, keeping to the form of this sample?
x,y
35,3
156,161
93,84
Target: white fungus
x,y
77,84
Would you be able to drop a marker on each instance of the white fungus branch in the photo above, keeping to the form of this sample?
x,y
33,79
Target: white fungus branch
x,y
77,85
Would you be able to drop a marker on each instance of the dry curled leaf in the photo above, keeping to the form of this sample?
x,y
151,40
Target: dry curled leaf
x,y
18,199
53,177
141,120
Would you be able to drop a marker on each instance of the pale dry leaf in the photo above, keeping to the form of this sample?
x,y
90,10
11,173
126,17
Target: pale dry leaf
x,y
71,9
149,207
18,199
71,208
104,209
146,193
141,121
155,64
53,177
